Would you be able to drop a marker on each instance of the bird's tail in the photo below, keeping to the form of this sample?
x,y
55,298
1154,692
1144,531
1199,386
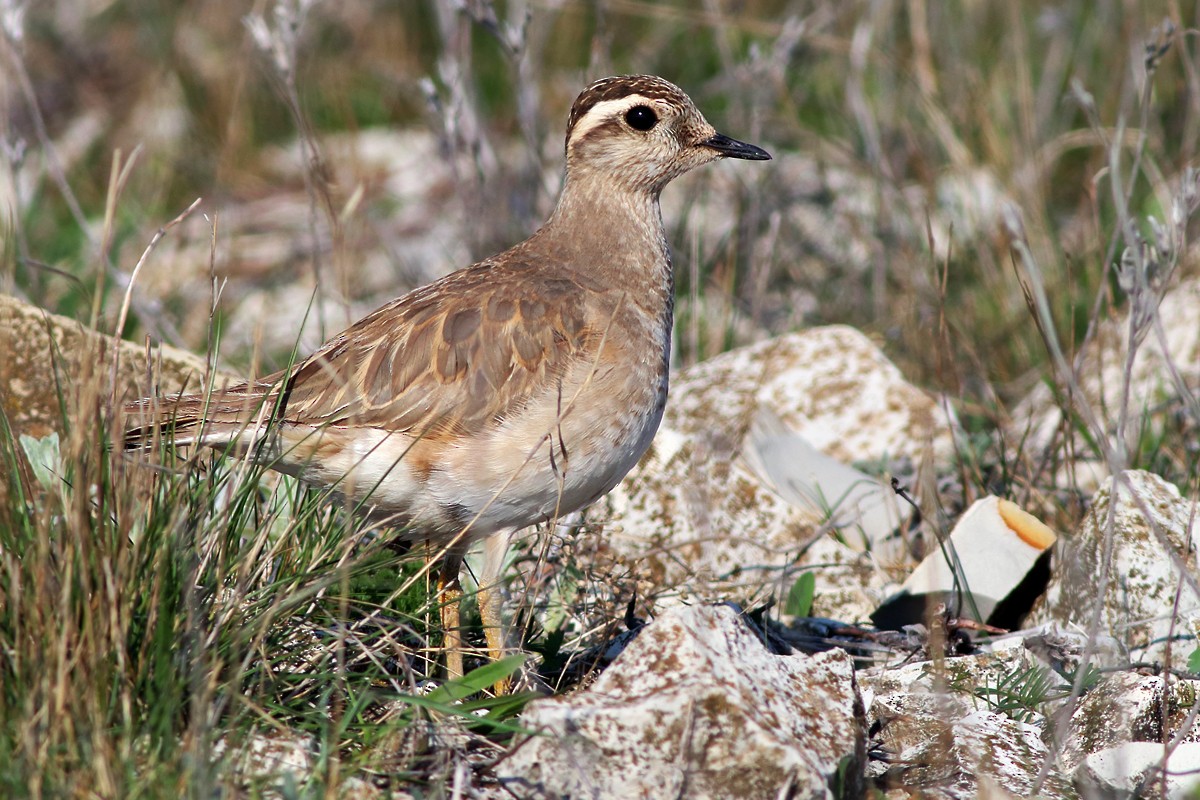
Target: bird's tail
x,y
236,416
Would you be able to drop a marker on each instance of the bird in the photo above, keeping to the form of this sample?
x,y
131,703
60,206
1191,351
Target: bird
x,y
509,393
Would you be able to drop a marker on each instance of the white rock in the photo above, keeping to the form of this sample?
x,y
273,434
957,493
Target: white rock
x,y
1139,608
1127,707
696,707
994,545
1136,767
261,757
694,515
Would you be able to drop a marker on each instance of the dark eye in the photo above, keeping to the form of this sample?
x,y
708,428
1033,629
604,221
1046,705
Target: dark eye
x,y
641,118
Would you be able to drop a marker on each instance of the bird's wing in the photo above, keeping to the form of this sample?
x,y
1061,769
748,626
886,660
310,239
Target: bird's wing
x,y
449,358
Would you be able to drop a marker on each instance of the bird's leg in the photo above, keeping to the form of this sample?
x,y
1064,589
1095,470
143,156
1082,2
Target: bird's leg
x,y
450,597
491,600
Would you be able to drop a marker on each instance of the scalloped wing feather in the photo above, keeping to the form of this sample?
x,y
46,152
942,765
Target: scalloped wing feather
x,y
448,359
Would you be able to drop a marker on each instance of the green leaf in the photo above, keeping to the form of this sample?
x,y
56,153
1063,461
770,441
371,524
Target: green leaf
x,y
1193,662
44,458
800,597
476,680
494,722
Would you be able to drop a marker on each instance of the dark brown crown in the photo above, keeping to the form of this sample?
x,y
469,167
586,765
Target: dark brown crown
x,y
619,86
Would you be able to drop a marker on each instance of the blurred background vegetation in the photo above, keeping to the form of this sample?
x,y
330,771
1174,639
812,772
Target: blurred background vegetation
x,y
907,120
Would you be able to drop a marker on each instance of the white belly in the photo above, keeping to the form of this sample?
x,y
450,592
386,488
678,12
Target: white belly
x,y
544,465
555,457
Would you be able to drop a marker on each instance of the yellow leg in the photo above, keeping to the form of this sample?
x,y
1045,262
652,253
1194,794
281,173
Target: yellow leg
x,y
491,601
450,597
493,628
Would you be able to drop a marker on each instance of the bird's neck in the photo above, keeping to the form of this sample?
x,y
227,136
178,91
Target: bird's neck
x,y
615,235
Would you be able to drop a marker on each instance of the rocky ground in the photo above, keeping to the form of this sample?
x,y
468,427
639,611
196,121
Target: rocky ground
x,y
708,699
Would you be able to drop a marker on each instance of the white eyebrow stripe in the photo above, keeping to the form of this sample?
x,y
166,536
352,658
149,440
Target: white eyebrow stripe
x,y
606,109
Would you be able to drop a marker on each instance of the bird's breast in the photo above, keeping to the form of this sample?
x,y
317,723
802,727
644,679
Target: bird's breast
x,y
574,442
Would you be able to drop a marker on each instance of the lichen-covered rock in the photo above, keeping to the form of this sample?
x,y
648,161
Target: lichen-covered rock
x,y
49,359
694,515
1153,532
939,732
959,726
941,735
940,748
697,707
831,385
1127,707
1141,769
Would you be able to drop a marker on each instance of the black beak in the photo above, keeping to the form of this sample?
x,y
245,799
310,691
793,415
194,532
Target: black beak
x,y
732,148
